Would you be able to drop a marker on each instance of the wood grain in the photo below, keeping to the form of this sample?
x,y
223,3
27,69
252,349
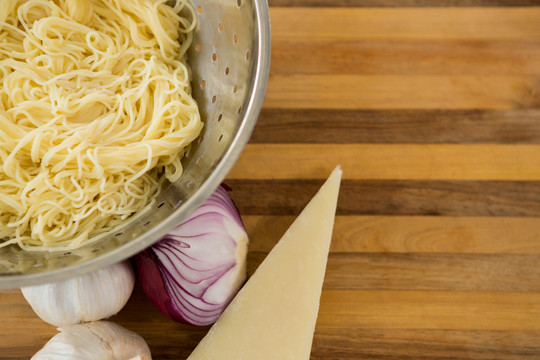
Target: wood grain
x,y
405,24
459,57
434,344
448,272
17,341
430,272
411,309
339,91
282,126
390,161
393,197
411,234
401,3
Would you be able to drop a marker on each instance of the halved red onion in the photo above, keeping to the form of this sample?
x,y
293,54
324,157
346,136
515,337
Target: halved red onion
x,y
193,272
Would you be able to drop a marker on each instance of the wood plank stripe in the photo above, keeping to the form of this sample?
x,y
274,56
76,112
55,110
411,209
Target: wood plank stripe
x,y
397,126
18,313
393,197
438,272
401,3
461,57
338,91
406,234
386,309
389,161
435,344
405,24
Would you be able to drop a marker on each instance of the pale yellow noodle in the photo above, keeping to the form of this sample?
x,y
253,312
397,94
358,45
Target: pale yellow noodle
x,y
95,108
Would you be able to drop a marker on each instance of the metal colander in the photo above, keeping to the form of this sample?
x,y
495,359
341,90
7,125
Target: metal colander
x,y
230,59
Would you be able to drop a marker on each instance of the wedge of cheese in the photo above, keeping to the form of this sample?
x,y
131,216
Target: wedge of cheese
x,y
273,317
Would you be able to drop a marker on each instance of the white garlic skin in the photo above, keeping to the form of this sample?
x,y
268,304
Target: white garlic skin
x,y
100,340
90,297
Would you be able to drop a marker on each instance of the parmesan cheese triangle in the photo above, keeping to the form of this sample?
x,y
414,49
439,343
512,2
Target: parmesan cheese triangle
x,y
273,317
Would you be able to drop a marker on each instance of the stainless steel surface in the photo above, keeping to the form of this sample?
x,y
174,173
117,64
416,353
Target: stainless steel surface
x,y
230,60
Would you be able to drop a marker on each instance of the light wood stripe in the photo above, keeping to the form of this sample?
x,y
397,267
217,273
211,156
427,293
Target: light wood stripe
x,y
399,161
406,24
16,311
405,57
433,344
401,92
401,3
397,126
411,234
438,272
363,309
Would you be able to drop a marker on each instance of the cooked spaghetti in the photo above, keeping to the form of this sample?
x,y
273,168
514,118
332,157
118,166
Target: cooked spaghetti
x,y
95,109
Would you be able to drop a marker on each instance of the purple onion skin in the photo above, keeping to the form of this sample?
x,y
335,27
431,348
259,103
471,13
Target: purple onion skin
x,y
193,273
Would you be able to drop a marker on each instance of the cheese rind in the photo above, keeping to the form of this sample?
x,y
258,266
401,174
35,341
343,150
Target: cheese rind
x,y
273,316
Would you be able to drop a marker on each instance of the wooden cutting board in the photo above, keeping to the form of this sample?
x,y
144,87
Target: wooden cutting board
x,y
434,115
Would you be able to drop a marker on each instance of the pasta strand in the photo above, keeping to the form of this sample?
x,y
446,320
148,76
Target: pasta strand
x,y
95,111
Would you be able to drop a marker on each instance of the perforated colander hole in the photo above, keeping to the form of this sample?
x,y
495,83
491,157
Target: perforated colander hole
x,y
235,39
198,47
147,223
235,89
220,137
214,57
67,253
239,3
214,98
220,27
190,184
227,70
203,84
95,251
118,234
219,117
247,55
161,204
239,109
199,160
199,10
199,141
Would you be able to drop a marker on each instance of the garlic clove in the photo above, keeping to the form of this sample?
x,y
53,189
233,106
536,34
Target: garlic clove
x,y
90,297
99,340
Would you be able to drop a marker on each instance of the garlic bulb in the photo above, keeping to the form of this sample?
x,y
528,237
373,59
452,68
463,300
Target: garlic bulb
x,y
90,297
100,340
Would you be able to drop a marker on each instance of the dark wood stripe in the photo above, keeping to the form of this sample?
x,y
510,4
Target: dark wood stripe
x,y
441,272
397,126
405,344
401,3
308,56
393,197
